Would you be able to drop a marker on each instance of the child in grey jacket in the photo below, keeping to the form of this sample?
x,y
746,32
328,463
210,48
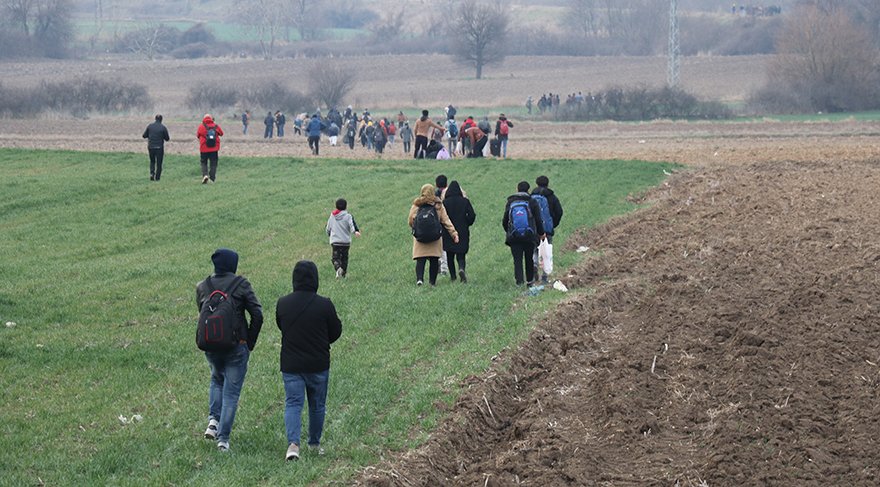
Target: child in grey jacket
x,y
340,226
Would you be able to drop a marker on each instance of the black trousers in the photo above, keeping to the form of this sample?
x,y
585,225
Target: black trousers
x,y
313,143
523,251
156,157
212,158
478,147
433,269
451,259
407,146
339,256
421,145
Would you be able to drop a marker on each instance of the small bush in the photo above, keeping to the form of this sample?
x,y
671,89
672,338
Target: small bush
x,y
192,51
212,97
77,97
640,103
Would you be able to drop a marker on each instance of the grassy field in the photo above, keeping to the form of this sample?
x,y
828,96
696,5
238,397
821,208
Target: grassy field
x,y
98,273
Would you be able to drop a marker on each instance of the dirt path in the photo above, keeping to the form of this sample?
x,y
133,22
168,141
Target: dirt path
x,y
725,335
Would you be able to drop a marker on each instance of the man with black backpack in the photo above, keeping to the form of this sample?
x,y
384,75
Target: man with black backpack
x,y
523,228
226,338
551,215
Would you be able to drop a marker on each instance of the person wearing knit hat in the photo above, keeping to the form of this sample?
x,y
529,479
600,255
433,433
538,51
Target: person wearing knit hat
x,y
228,367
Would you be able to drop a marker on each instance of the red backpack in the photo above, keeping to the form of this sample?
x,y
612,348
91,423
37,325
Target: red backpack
x,y
503,128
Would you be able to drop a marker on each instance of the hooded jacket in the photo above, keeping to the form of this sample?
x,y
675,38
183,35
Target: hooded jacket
x,y
553,202
315,127
308,323
202,133
225,265
538,224
340,226
435,248
462,215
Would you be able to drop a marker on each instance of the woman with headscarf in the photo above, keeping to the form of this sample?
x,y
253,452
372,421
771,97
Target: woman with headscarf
x,y
426,216
462,216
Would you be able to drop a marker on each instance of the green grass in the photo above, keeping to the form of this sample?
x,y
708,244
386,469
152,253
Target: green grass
x,y
98,272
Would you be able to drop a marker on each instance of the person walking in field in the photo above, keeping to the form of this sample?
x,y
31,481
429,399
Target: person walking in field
x,y
314,129
502,131
280,122
422,131
523,229
462,215
427,218
309,325
229,367
340,226
156,135
209,134
476,140
551,215
245,121
269,122
406,135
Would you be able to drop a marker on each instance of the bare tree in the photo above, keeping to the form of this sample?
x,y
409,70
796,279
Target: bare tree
x,y
151,40
478,33
304,16
583,17
266,18
329,84
826,59
20,13
390,27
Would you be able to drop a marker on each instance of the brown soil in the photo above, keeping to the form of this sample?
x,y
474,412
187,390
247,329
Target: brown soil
x,y
725,335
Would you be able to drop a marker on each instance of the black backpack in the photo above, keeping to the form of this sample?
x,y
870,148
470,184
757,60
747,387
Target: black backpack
x,y
426,226
217,330
210,136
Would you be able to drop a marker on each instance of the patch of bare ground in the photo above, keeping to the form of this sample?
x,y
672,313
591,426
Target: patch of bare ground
x,y
724,335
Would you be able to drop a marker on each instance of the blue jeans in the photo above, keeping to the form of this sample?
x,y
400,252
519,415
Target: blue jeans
x,y
504,148
227,377
296,386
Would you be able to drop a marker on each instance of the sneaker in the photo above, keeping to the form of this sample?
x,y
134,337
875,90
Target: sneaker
x,y
339,273
463,276
292,452
544,279
211,432
223,446
317,449
152,178
205,179
419,283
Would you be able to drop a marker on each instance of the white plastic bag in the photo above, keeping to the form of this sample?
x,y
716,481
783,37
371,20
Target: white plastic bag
x,y
545,256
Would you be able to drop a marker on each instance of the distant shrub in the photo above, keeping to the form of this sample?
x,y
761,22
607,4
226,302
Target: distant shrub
x,y
275,96
76,97
199,33
212,97
192,51
639,103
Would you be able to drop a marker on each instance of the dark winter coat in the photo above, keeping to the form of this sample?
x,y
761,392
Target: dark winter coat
x,y
156,135
553,202
314,129
536,217
462,215
498,133
244,298
308,323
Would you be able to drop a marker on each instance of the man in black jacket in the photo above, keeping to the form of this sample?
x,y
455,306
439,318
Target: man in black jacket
x,y
229,368
156,135
555,210
523,246
308,324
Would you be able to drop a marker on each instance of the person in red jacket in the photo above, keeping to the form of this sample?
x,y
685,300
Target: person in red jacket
x,y
209,135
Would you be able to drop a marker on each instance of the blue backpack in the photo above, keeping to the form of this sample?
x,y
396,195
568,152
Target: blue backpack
x,y
546,217
453,129
520,226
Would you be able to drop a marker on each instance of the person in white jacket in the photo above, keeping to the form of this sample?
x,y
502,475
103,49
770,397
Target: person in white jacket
x,y
340,226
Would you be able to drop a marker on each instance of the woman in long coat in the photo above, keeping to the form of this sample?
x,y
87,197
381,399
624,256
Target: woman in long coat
x,y
429,252
462,215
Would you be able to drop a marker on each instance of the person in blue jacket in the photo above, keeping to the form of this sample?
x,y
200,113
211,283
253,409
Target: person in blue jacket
x,y
314,129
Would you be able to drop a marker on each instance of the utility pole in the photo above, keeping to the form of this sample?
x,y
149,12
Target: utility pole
x,y
673,50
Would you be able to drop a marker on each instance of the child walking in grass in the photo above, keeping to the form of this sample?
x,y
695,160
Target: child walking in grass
x,y
340,226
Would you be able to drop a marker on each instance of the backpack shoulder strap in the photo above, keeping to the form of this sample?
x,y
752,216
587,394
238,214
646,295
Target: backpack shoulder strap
x,y
234,285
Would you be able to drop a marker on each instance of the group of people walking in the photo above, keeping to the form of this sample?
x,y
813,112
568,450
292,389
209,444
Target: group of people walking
x,y
440,218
